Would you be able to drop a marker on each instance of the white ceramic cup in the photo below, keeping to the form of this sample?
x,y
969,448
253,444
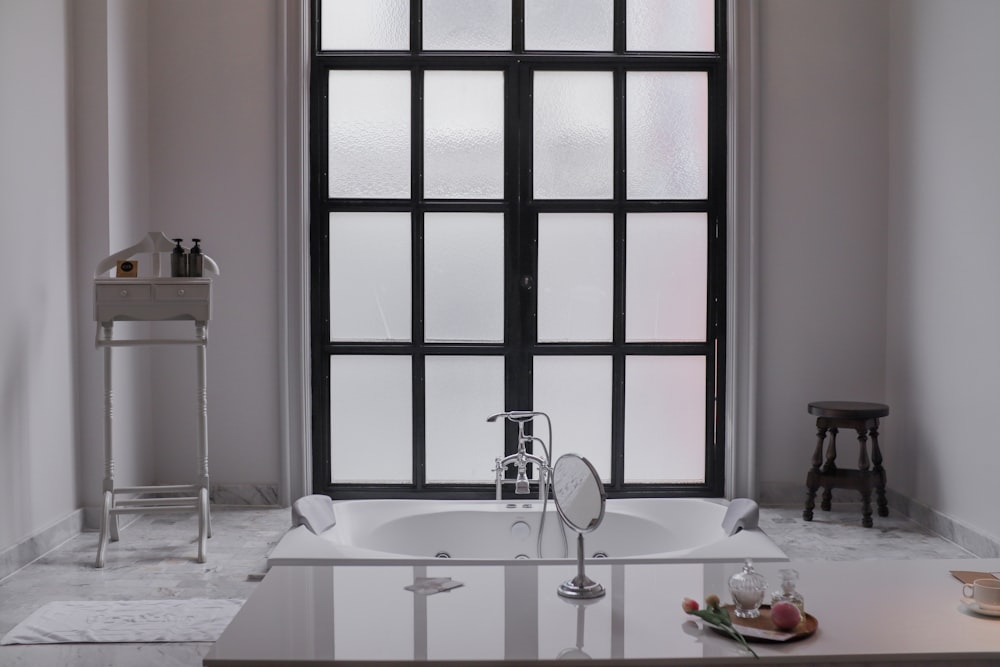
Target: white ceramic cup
x,y
984,592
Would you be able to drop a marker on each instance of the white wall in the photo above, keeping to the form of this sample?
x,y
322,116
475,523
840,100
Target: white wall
x,y
214,175
943,359
822,222
38,456
111,211
190,146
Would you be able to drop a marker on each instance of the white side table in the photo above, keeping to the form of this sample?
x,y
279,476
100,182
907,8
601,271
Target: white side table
x,y
153,299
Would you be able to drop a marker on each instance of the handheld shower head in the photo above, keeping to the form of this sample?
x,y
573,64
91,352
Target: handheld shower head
x,y
516,416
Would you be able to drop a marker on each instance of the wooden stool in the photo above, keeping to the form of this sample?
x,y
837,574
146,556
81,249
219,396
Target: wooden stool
x,y
863,418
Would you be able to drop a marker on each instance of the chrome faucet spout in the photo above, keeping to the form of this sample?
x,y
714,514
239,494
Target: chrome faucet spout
x,y
522,486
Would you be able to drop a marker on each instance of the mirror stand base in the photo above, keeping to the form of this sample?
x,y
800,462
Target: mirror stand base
x,y
581,587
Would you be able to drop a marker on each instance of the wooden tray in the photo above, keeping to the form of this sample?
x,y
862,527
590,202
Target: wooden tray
x,y
761,629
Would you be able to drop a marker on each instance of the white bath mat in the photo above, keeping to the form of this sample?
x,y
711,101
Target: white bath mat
x,y
109,621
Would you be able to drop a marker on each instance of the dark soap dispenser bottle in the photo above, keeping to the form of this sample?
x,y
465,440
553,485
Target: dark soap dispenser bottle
x,y
196,260
178,261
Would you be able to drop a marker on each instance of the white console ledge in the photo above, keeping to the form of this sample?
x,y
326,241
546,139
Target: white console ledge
x,y
869,612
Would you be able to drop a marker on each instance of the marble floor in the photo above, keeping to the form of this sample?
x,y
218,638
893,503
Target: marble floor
x,y
155,559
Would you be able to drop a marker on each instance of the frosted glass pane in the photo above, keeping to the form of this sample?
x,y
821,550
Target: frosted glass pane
x,y
666,274
370,276
369,133
575,276
371,419
463,277
670,25
370,25
667,135
467,25
461,393
573,142
576,393
569,25
664,420
463,135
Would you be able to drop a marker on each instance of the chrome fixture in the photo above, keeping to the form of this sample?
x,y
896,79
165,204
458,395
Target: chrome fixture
x,y
521,459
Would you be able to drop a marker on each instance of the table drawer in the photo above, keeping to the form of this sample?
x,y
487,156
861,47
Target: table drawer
x,y
177,292
124,293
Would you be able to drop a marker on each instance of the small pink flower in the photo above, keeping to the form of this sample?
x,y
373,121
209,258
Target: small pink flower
x,y
689,606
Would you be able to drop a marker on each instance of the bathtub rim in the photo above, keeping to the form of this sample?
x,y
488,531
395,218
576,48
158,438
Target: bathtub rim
x,y
299,546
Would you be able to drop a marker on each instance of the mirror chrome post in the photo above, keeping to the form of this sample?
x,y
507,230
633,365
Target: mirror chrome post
x,y
580,587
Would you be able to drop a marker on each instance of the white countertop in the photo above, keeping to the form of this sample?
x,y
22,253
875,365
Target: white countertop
x,y
868,611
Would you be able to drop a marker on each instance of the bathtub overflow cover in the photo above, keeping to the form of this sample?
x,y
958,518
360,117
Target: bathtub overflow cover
x,y
520,530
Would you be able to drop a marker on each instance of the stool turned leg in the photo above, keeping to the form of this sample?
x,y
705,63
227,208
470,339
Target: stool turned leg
x,y
812,478
879,472
830,468
865,478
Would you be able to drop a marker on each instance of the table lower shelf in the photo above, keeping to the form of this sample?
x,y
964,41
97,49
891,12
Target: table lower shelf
x,y
113,506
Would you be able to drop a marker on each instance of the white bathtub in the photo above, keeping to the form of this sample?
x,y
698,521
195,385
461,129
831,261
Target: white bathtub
x,y
489,531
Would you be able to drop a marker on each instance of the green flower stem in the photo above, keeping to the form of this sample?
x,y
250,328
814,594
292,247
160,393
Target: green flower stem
x,y
719,618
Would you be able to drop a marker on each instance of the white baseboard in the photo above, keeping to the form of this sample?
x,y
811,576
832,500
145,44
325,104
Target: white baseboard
x,y
30,549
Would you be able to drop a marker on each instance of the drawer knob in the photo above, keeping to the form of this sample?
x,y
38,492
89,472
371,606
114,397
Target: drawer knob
x,y
180,292
124,292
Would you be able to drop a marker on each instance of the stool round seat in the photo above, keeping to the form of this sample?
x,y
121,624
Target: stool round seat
x,y
848,409
861,417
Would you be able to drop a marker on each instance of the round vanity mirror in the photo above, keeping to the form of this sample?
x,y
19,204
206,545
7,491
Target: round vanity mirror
x,y
578,492
580,500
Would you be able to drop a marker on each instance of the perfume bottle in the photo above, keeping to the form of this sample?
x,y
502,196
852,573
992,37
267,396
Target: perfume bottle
x,y
787,592
178,261
747,588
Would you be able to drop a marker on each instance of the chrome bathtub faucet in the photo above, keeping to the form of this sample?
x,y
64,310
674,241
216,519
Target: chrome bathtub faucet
x,y
521,459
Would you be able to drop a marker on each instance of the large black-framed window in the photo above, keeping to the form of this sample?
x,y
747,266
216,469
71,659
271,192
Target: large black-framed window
x,y
504,227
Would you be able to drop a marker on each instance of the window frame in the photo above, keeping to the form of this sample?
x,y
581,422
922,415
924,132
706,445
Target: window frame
x,y
520,249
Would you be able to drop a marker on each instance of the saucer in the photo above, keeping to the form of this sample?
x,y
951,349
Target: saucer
x,y
976,608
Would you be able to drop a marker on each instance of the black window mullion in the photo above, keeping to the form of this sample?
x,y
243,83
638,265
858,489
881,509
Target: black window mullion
x,y
418,359
618,298
618,357
416,26
517,26
619,27
517,185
